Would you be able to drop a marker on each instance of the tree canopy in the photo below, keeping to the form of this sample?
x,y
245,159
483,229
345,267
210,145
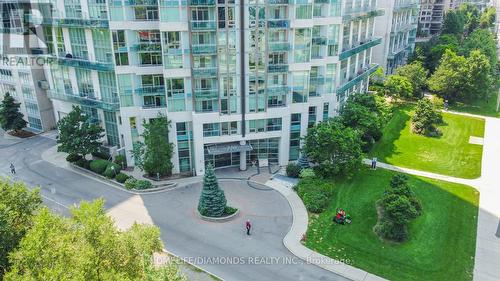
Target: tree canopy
x,y
10,116
87,246
334,147
398,86
416,74
18,206
77,135
157,150
483,40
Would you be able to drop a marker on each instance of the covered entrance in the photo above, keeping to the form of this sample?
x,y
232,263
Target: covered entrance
x,y
225,154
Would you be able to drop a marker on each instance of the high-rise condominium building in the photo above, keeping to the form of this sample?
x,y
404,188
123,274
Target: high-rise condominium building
x,y
432,15
239,80
19,74
398,30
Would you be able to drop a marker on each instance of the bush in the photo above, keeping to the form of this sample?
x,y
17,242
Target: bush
x,y
293,170
112,170
99,166
121,177
229,210
101,154
143,184
72,158
84,163
121,160
130,183
392,231
307,173
316,200
425,119
314,193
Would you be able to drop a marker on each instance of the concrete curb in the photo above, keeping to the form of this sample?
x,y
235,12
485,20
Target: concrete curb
x,y
120,185
219,219
192,264
299,228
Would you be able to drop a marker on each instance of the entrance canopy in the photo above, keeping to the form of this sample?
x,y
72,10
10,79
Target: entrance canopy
x,y
230,147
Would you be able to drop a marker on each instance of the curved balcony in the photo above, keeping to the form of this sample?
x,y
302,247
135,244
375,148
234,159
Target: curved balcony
x,y
347,52
86,64
108,104
361,76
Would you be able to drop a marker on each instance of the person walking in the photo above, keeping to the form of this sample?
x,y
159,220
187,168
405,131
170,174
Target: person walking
x,y
12,169
248,226
374,163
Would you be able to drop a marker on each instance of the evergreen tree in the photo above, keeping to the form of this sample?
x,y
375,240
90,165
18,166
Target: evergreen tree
x,y
157,149
10,117
212,201
77,135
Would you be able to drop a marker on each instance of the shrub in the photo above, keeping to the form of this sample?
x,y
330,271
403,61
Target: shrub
x,y
84,163
130,183
316,200
425,118
307,173
143,184
314,193
112,170
121,160
99,166
101,154
293,170
392,231
121,177
229,210
72,158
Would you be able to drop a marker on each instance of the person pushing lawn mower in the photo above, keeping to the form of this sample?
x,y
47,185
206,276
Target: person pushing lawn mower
x,y
341,217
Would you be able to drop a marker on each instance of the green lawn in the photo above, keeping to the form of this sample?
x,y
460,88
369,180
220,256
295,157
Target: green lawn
x,y
442,241
450,154
480,107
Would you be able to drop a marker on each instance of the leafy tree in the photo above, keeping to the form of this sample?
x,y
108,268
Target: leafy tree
x,y
425,118
487,19
470,16
361,113
483,40
86,246
77,135
158,150
416,74
447,79
476,78
212,201
436,47
398,86
335,148
18,205
453,23
10,117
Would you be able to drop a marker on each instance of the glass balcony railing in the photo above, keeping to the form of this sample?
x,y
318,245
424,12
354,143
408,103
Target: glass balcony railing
x,y
68,22
362,74
274,68
79,63
203,25
141,2
405,27
277,90
319,40
199,49
278,23
147,47
201,2
405,5
394,53
150,90
111,104
356,13
279,46
206,94
347,52
204,72
278,2
321,1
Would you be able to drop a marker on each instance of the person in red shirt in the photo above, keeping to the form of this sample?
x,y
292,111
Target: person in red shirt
x,y
248,226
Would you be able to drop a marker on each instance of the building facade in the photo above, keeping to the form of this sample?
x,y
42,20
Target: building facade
x,y
239,81
398,30
20,76
431,16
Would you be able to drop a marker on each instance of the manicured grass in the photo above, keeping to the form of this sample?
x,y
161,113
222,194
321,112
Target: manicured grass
x,y
480,107
441,243
450,154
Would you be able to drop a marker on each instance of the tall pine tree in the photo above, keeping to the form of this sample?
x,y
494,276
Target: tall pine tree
x,y
212,199
10,117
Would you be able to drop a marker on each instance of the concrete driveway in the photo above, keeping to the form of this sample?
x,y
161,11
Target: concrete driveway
x,y
261,256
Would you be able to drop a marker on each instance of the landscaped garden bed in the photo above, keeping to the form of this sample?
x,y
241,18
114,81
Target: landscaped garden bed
x,y
449,154
21,133
441,241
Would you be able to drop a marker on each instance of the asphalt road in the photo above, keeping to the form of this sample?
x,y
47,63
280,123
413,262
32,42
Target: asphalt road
x,y
222,248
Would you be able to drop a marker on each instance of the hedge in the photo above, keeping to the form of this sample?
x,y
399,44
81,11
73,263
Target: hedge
x,y
314,193
293,170
99,166
109,172
121,177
